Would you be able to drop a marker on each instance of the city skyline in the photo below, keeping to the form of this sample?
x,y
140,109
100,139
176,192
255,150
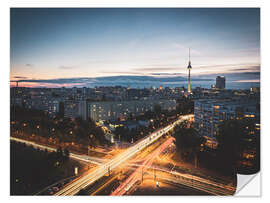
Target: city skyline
x,y
50,44
133,101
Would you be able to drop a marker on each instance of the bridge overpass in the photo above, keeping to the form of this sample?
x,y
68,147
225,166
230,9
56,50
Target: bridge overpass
x,y
104,168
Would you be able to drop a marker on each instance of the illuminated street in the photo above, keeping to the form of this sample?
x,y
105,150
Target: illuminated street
x,y
141,167
83,182
133,101
85,158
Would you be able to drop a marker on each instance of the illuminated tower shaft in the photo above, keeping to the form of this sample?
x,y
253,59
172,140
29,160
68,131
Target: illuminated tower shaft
x,y
189,68
189,85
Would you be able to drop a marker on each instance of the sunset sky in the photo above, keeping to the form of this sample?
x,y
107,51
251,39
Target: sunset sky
x,y
75,43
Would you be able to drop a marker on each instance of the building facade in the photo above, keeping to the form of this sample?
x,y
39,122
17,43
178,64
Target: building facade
x,y
220,82
208,114
123,109
71,108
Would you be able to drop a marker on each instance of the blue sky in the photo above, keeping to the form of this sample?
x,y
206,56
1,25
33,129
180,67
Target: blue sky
x,y
72,43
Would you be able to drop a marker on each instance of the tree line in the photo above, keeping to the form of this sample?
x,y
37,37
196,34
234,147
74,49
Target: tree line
x,y
30,122
234,137
32,169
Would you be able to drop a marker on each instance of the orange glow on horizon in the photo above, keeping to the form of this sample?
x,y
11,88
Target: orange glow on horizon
x,y
48,85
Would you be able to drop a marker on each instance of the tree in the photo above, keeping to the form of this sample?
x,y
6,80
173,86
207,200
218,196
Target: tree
x,y
59,152
186,140
232,138
66,153
228,139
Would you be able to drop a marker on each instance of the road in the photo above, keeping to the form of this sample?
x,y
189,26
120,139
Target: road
x,y
189,180
199,184
92,176
138,173
85,158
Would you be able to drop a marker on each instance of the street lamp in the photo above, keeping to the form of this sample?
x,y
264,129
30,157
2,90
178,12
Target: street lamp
x,y
142,174
155,174
76,170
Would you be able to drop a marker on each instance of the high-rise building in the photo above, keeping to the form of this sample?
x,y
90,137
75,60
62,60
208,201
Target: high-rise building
x,y
220,82
82,108
189,68
113,110
71,108
210,113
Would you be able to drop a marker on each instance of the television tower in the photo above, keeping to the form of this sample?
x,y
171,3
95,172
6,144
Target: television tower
x,y
189,68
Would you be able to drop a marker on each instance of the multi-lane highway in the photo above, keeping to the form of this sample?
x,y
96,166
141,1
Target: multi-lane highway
x,y
135,176
92,176
192,181
195,182
171,177
106,166
85,158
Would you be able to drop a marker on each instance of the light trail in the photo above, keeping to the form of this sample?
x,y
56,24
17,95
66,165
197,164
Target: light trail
x,y
199,186
103,186
188,177
91,177
134,177
189,180
84,158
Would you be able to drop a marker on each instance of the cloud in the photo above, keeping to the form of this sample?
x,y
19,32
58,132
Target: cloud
x,y
152,69
29,65
233,66
113,80
218,68
235,77
255,68
249,80
168,74
20,77
252,73
67,67
122,72
149,75
56,81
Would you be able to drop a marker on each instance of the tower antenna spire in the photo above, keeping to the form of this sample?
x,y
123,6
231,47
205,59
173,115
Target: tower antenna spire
x,y
189,62
189,67
189,54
